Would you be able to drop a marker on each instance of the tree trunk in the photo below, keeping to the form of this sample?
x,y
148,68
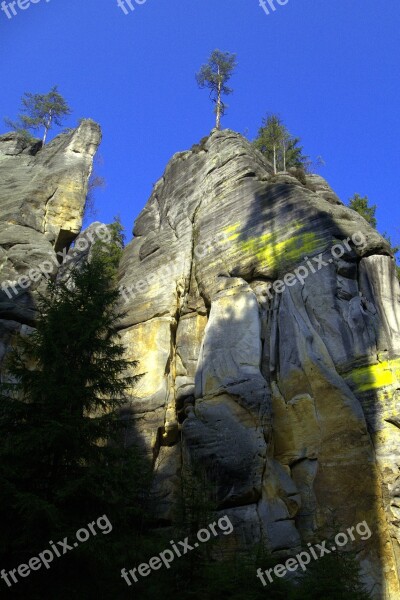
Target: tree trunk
x,y
284,156
274,159
46,128
218,122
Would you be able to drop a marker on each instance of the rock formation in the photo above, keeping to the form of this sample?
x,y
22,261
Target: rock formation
x,y
285,396
288,399
43,192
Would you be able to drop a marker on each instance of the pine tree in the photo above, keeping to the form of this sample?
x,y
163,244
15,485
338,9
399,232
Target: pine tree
x,y
40,111
279,146
64,460
360,205
295,156
215,75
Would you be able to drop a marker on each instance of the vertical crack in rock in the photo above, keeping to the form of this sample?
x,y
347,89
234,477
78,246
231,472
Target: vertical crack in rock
x,y
288,439
45,215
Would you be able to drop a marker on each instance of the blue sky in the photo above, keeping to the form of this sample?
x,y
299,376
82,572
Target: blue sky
x,y
329,68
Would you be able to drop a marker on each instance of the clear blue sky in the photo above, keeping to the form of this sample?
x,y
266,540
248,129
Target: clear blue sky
x,y
330,68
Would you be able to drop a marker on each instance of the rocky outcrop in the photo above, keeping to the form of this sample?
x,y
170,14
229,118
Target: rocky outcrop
x,y
265,318
43,192
285,396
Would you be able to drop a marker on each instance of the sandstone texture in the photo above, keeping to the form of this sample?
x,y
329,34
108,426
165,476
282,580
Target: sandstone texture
x,y
43,192
287,399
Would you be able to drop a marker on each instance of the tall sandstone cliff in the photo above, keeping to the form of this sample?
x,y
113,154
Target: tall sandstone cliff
x,y
288,401
42,199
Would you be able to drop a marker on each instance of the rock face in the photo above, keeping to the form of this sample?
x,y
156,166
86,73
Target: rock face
x,y
285,397
265,318
43,192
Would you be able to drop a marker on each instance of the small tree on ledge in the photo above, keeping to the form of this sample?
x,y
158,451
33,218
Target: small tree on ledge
x,y
40,110
360,205
215,75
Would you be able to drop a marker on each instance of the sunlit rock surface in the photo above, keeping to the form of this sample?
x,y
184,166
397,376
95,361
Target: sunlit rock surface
x,y
42,197
287,401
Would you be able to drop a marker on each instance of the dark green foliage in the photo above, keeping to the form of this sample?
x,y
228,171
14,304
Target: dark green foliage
x,y
393,249
200,575
271,139
294,153
64,463
63,458
110,253
336,578
333,577
360,205
197,503
280,148
40,111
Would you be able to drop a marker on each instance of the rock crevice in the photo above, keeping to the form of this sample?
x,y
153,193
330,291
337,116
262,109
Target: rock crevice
x,y
279,398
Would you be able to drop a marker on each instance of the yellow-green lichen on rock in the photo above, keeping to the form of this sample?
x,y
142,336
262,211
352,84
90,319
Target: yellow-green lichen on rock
x,y
374,377
283,247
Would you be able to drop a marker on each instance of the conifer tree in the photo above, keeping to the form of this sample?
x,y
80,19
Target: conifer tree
x,y
64,460
360,205
279,146
41,111
215,75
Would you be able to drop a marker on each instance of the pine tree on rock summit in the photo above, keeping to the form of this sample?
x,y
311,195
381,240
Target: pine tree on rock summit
x,y
215,75
40,111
